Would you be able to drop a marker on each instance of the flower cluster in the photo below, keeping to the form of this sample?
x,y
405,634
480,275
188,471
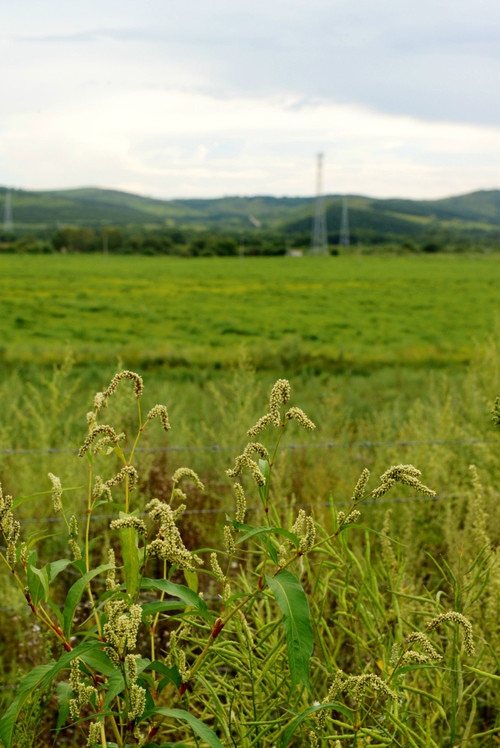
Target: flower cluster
x,y
161,412
168,542
101,398
297,414
454,617
56,492
280,394
408,475
184,472
73,535
129,520
108,436
82,693
101,489
244,460
241,503
9,526
429,654
120,630
126,471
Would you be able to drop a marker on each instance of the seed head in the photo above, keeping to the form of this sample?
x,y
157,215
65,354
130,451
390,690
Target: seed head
x,y
127,470
129,521
280,394
160,411
56,492
298,415
109,434
184,472
138,383
455,617
241,503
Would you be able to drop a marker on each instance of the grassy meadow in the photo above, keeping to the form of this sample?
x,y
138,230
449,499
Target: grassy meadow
x,y
345,313
395,358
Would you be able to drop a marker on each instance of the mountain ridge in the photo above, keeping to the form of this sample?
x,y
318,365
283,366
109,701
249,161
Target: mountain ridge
x,y
474,213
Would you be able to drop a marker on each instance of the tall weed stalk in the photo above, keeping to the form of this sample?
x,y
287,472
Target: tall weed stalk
x,y
284,634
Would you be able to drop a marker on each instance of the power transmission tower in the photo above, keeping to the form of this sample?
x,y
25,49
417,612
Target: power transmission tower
x,y
8,221
344,239
319,241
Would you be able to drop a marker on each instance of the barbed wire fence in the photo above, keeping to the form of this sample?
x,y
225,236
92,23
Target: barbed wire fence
x,y
314,445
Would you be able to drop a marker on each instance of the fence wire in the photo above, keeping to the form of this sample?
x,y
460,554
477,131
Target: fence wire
x,y
235,448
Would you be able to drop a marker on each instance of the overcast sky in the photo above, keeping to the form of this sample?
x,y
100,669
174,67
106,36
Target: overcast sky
x,y
203,98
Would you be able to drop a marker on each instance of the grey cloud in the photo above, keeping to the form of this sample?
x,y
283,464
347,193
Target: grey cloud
x,y
431,60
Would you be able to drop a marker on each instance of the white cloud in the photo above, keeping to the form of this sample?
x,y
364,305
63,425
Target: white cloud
x,y
208,98
177,143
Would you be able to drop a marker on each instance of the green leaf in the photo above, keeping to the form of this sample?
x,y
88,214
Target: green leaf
x,y
38,583
149,609
128,536
191,578
99,661
116,684
292,602
39,678
171,674
55,568
64,694
264,468
179,590
21,499
204,732
27,685
311,710
266,530
75,594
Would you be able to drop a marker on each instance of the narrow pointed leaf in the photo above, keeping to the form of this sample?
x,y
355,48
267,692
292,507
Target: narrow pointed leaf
x,y
292,602
39,678
181,591
75,595
204,732
38,583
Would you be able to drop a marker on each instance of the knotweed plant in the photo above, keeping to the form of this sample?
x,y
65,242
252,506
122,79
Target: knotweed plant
x,y
255,641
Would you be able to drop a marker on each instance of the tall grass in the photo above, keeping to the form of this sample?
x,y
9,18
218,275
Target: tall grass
x,y
308,623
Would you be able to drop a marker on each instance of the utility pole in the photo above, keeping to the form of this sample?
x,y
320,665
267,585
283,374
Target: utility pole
x,y
8,221
344,238
319,241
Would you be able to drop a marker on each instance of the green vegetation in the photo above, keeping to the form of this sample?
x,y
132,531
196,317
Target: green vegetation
x,y
396,360
288,633
300,315
90,220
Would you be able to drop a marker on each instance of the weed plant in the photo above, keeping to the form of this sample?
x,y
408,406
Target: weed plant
x,y
295,630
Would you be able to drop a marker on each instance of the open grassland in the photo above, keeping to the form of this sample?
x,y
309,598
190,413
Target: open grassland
x,y
300,314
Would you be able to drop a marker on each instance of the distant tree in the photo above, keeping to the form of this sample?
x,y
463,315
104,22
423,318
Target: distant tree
x,y
75,239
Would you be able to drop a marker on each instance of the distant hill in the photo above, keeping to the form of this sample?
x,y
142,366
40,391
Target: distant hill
x,y
477,213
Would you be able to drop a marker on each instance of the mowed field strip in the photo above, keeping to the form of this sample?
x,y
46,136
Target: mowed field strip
x,y
312,311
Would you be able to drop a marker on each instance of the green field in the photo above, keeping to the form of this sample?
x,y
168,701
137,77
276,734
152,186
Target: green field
x,y
315,314
397,361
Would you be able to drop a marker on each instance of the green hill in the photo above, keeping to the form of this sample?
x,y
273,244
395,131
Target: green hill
x,y
475,214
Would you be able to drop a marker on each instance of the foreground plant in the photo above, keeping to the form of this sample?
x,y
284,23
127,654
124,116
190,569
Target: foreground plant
x,y
235,645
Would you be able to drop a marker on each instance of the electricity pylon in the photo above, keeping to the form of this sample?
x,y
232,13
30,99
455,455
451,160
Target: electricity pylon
x,y
344,238
8,221
319,241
